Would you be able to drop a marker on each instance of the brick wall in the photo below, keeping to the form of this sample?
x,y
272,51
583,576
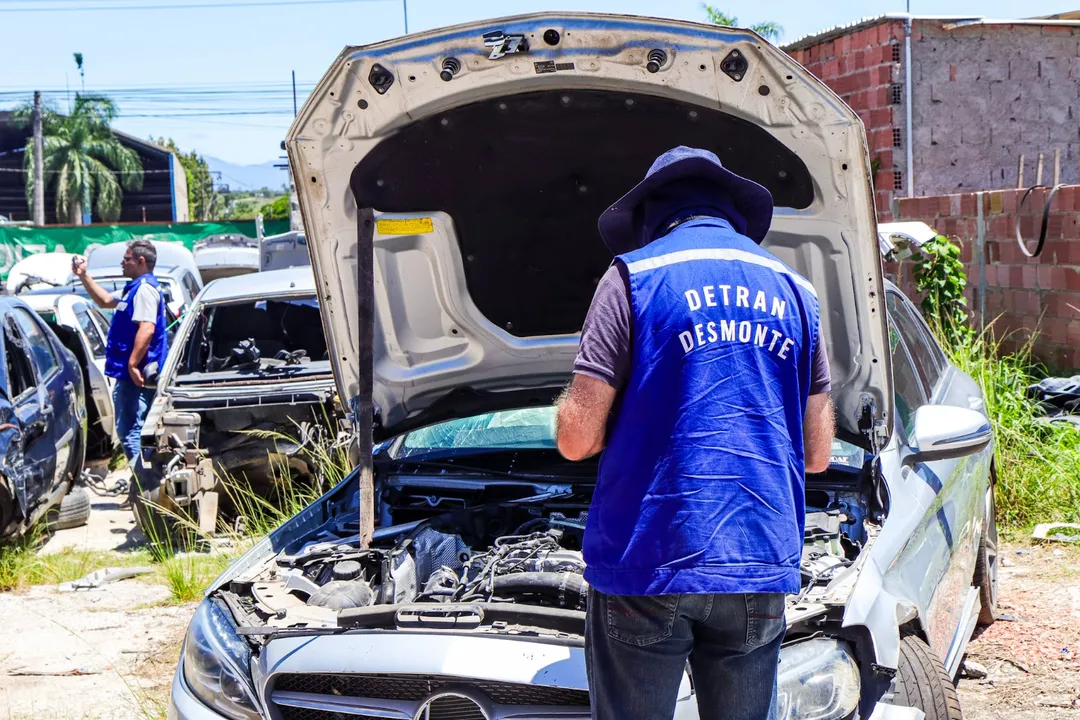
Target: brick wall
x,y
985,94
1038,296
860,68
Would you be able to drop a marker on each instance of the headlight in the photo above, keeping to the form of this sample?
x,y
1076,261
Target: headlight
x,y
818,680
216,663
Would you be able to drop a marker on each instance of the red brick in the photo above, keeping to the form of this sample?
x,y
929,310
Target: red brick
x,y
968,204
831,69
1027,226
859,59
944,205
881,117
909,207
1008,201
1030,278
952,73
1072,252
1057,30
845,44
1043,276
1072,280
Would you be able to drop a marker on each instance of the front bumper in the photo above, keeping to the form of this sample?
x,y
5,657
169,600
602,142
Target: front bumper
x,y
435,654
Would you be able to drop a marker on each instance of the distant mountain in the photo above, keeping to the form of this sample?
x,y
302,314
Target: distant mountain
x,y
249,177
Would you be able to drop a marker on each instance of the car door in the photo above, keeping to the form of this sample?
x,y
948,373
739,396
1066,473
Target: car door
x,y
57,382
74,312
33,461
942,551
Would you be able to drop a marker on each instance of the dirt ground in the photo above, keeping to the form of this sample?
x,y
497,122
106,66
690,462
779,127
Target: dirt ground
x,y
110,652
1032,653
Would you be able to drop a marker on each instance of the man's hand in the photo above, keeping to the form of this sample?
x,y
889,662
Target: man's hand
x,y
818,430
136,376
581,421
102,297
78,267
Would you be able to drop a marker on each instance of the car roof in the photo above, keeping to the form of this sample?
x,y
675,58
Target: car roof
x,y
169,255
289,281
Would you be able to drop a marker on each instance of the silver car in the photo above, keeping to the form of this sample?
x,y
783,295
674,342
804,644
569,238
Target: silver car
x,y
450,184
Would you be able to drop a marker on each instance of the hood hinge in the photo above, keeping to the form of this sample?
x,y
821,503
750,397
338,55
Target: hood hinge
x,y
870,425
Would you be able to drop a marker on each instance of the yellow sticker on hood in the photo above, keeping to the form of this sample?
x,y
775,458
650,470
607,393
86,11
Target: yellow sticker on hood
x,y
404,226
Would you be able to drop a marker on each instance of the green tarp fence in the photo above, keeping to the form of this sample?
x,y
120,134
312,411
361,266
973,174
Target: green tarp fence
x,y
17,242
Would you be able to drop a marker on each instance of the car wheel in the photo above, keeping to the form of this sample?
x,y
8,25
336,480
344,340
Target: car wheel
x,y
74,510
986,563
922,682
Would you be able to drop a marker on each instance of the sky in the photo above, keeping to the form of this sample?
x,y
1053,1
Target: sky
x,y
164,64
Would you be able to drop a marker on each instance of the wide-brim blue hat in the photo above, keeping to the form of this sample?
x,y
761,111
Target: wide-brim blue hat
x,y
616,224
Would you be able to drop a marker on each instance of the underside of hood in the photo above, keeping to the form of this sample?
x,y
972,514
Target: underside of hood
x,y
472,163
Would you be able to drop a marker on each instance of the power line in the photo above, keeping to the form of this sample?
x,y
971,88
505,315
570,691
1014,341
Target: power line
x,y
194,6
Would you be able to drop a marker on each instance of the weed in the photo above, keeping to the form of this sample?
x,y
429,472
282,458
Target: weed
x,y
1037,463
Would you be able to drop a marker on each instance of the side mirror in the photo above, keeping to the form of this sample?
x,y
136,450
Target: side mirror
x,y
944,432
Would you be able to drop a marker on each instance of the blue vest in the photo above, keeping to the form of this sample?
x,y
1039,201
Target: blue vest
x,y
122,332
701,485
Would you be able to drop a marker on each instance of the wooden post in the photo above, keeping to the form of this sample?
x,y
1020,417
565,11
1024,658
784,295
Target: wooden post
x,y
39,164
1020,174
1038,170
1057,166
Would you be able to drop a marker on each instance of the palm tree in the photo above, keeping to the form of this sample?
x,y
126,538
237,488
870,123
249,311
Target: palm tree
x,y
83,156
771,31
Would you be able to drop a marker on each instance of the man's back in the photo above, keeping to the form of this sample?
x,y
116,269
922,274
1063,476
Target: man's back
x,y
700,486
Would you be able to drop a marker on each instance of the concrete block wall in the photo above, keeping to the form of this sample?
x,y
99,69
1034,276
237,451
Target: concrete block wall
x,y
985,94
859,67
1024,296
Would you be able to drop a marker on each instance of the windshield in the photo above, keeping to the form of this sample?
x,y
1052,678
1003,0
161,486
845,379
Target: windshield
x,y
265,336
525,429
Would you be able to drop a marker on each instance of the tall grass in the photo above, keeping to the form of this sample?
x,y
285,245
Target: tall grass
x,y
1037,463
187,574
21,566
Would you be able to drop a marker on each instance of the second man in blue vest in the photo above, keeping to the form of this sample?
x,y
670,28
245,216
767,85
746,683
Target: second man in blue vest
x,y
702,377
136,338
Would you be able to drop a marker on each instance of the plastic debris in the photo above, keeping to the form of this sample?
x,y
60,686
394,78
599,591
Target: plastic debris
x,y
1050,532
103,577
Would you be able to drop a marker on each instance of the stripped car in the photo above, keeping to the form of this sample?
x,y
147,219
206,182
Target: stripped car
x,y
450,184
42,425
83,329
246,386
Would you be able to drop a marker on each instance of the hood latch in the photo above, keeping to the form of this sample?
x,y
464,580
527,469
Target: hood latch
x,y
502,44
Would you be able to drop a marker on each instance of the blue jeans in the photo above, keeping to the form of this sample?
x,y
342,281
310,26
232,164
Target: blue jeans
x,y
636,649
131,404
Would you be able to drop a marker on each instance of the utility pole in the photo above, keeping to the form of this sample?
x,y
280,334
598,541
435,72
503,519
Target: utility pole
x,y
294,93
39,163
405,8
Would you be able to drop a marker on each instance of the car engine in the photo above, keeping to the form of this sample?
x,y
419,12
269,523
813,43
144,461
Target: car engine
x,y
523,550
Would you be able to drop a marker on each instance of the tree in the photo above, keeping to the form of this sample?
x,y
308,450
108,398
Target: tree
x,y
204,201
771,31
277,210
84,159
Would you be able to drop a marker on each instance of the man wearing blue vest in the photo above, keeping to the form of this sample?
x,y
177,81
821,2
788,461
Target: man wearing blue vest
x,y
703,378
136,338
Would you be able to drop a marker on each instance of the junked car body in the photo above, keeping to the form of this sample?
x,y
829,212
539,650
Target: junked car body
x,y
226,255
42,421
248,359
450,187
83,329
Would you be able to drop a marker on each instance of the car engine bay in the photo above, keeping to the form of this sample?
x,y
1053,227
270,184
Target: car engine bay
x,y
457,541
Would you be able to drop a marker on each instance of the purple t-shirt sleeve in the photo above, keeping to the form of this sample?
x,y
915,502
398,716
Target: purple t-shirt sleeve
x,y
604,351
820,374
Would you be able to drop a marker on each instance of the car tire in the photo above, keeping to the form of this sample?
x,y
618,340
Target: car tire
x,y
74,510
986,563
922,682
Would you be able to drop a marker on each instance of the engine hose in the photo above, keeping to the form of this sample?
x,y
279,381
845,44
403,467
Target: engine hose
x,y
569,590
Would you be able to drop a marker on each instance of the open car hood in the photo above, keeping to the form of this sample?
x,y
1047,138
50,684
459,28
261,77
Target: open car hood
x,y
474,161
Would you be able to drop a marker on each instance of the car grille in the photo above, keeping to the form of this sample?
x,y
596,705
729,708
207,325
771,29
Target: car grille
x,y
418,689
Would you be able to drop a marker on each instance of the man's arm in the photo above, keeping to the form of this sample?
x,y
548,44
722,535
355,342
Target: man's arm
x,y
98,294
581,420
138,352
818,430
